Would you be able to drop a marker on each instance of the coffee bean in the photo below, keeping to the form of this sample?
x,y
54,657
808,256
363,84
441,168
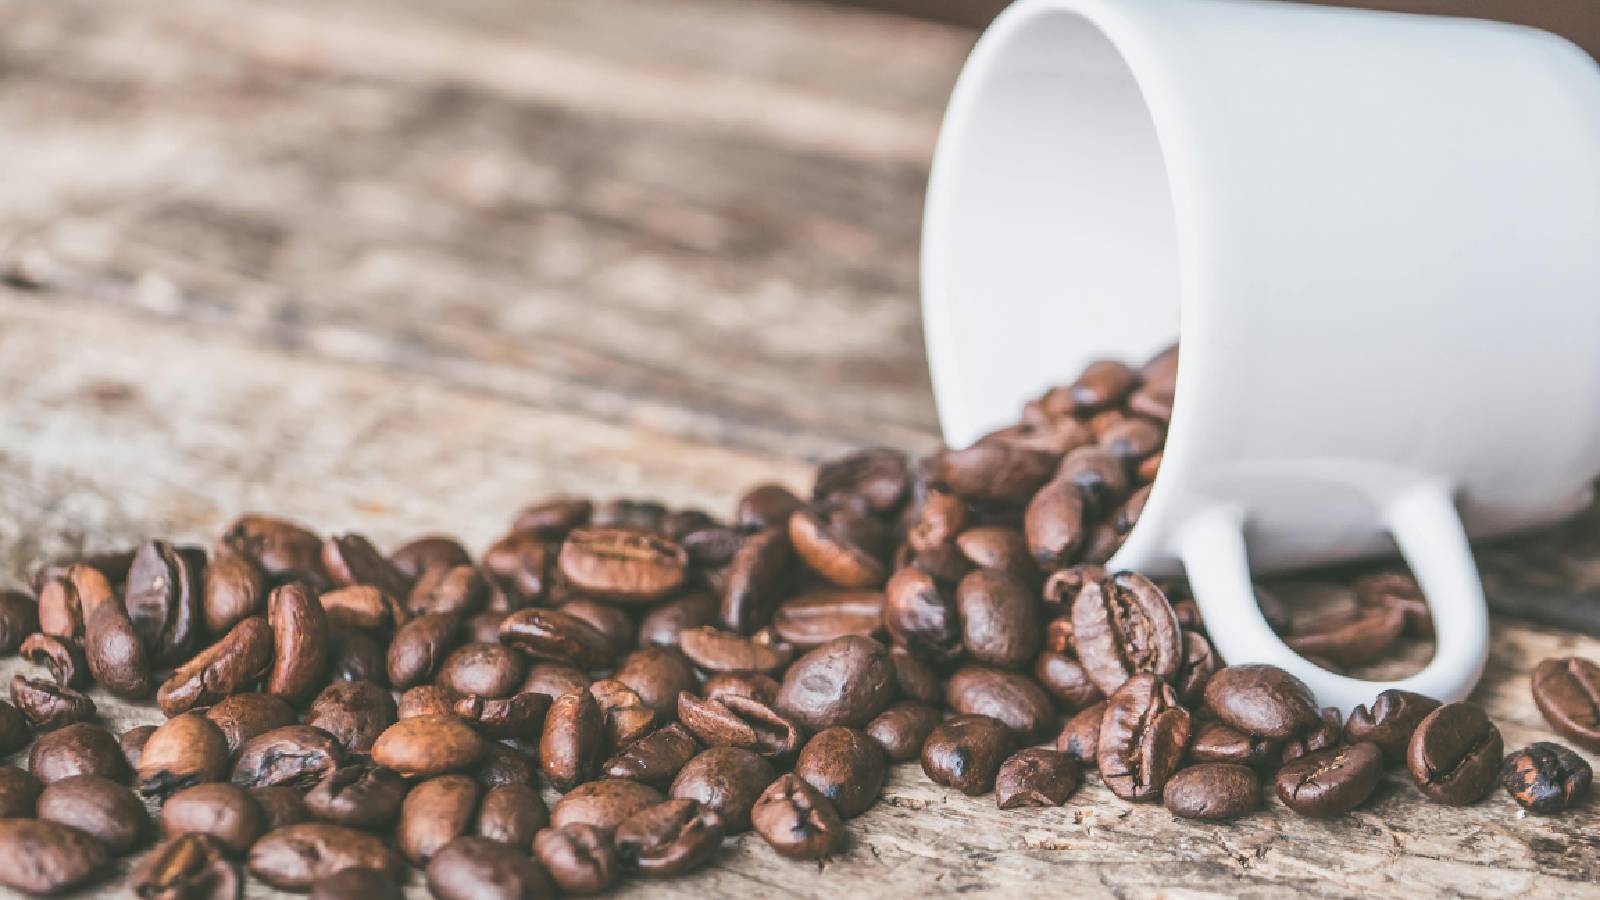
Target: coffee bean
x,y
845,766
1054,524
19,617
939,517
1102,383
241,717
840,543
62,657
185,750
658,675
363,607
1455,754
1217,742
817,616
484,627
573,742
1399,590
622,565
1132,439
1123,626
581,859
475,868
1280,618
510,717
358,884
1332,781
902,729
360,795
82,748
503,765
1199,664
241,658
284,550
1123,519
39,857
603,803
1567,691
750,685
670,838
419,646
425,746
358,656
1061,591
187,867
352,559
19,792
735,721
1546,777
1011,697
1036,777
1080,737
280,805
765,505
614,622
997,547
629,514
511,814
1263,701
691,609
997,473
518,568
1354,638
163,600
426,700
1213,792
354,712
434,813
14,730
965,752
1328,734
555,517
296,857
1390,723
60,609
300,642
98,807
224,812
132,742
489,670
1142,738
554,635
920,614
1000,618
846,681
48,705
655,758
726,781
758,578
297,755
715,650
879,476
458,589
796,820
1065,680
1100,477
234,589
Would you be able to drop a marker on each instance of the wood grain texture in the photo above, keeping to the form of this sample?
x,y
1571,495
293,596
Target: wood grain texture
x,y
402,266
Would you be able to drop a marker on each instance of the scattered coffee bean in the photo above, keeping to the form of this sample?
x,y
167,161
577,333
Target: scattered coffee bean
x,y
670,838
846,681
19,617
511,814
655,758
354,712
965,753
1390,723
603,803
1455,754
625,714
281,805
715,650
1354,638
419,646
359,794
658,675
622,565
1080,737
1213,792
40,857
48,705
903,728
796,820
424,746
1217,742
556,636
224,812
1011,697
1331,782
1036,777
434,813
845,766
758,576
1263,701
475,868
1400,590
235,589
187,867
242,717
1546,777
19,792
358,884
736,721
1567,691
62,657
1123,626
1142,738
571,747
581,859
242,657
297,755
726,781
82,748
97,806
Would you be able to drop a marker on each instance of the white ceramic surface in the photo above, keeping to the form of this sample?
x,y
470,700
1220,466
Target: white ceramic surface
x,y
1379,236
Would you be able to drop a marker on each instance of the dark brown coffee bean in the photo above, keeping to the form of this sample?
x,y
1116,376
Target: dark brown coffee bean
x,y
1100,477
1217,742
626,716
796,820
715,650
503,765
243,716
363,607
603,803
300,642
1213,792
354,712
235,589
82,748
1399,590
455,589
965,753
1328,734
358,884
351,559
735,721
814,617
1011,697
163,599
555,679
224,812
554,635
19,617
920,614
284,550
62,657
670,838
184,751
758,578
48,705
98,807
434,813
1142,738
296,857
518,568
1000,619
993,472
1054,524
1263,701
509,717
1333,781
1080,737
727,781
915,679
998,547
573,742
1390,723
1123,626
1199,664
658,675
14,730
622,565
187,867
845,766
39,857
655,758
1353,638
511,814
360,795
419,646
691,609
1455,754
297,755
1066,681
1567,691
488,670
846,681
612,621
750,685
581,859
554,517
1546,777
1036,777
1102,383
424,746
841,544
713,547
475,868
902,729
231,665
19,792
1133,439
879,476
281,805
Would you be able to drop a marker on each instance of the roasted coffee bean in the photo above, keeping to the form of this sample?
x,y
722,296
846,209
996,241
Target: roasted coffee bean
x,y
727,781
424,746
1054,524
993,472
946,565
39,857
185,750
965,753
243,716
998,547
488,670
626,716
845,766
518,568
879,476
1080,737
231,665
1133,439
511,814
363,607
902,729
629,514
132,742
1213,792
484,627
1066,681
920,614
62,657
1567,691
82,748
796,820
1455,754
297,755
580,859
1277,613
603,803
555,679
281,805
300,642
434,813
19,792
60,610
510,717
1328,734
846,681
98,807
1263,701
163,599
573,742
1000,620
427,700
915,679
622,565
354,712
691,609
284,550
1401,591
187,867
751,685
735,721
456,589
1123,626
655,758
1188,613
475,868
1546,777
19,617
1142,738
358,884
814,617
658,675
351,559
765,506
612,621
1061,591
1199,664
758,578
1217,742
940,517
503,765
715,650
555,517
356,656
1353,638
841,544
712,547
48,705
1100,477
1390,723
1102,383
554,635
224,812
360,795
1036,777
669,838
1011,697
235,589
296,857
1333,781
419,646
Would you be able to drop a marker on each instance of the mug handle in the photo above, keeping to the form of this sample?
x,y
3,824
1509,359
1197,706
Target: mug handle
x,y
1426,526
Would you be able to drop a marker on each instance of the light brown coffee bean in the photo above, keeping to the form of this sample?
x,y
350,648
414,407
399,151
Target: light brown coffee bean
x,y
1000,618
283,549
511,814
354,712
603,803
658,675
846,681
360,795
187,867
297,857
419,646
735,721
363,607
222,811
475,868
655,758
82,748
297,755
622,565
557,636
19,792
1036,777
573,742
1011,697
243,656
758,579
424,746
243,716
435,812
581,859
47,705
39,857
965,753
715,650
97,806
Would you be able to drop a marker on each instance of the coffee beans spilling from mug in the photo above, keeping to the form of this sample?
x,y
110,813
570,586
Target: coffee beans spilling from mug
x,y
336,716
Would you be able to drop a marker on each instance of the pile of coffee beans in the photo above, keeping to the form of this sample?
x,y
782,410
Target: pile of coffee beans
x,y
611,690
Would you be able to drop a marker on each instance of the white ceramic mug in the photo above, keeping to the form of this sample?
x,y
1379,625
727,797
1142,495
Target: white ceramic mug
x,y
1379,237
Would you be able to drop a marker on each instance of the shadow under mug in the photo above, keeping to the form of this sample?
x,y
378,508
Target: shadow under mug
x,y
1378,236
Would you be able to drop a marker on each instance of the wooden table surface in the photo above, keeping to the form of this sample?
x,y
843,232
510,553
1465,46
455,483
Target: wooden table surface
x,y
399,266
